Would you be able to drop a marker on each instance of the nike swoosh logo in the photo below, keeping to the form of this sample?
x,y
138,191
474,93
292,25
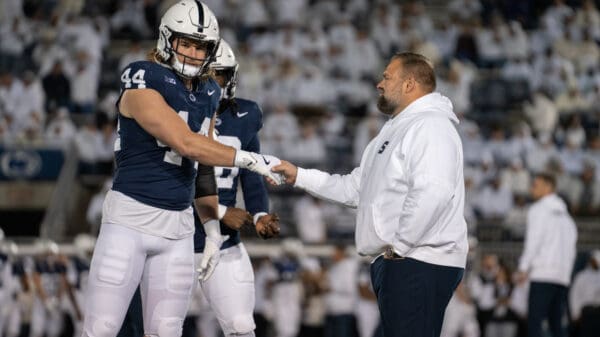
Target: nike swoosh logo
x,y
210,92
267,162
242,114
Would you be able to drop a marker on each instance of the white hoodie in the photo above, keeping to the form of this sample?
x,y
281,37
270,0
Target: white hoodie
x,y
550,242
409,187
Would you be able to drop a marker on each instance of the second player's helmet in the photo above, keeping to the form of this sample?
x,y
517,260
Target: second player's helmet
x,y
226,65
192,20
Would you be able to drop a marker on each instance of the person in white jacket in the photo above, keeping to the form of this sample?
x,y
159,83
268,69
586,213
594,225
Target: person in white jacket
x,y
548,257
409,192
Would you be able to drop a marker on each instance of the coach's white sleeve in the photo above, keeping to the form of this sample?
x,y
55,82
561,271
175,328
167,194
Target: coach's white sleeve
x,y
433,155
343,189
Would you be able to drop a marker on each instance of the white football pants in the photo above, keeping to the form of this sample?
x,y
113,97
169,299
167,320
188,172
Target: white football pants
x,y
230,291
124,258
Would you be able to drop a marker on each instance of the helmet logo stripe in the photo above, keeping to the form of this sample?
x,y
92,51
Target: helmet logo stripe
x,y
200,16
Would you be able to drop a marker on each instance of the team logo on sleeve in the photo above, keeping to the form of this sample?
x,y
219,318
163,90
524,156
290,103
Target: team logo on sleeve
x,y
383,146
170,80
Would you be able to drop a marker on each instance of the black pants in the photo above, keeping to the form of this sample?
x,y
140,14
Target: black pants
x,y
546,301
413,295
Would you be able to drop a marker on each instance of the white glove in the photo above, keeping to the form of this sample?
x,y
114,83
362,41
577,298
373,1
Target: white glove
x,y
259,163
212,249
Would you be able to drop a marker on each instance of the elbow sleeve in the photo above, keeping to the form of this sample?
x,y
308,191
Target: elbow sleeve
x,y
206,184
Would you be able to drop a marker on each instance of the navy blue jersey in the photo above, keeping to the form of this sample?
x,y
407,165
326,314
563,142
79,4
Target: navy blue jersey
x,y
238,129
147,170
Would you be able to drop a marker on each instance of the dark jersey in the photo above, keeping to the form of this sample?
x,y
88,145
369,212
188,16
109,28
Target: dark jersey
x,y
147,170
238,129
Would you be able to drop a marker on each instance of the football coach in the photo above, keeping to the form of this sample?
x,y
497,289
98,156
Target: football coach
x,y
409,194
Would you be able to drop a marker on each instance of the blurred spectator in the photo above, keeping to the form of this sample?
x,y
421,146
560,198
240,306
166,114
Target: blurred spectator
x,y
94,210
592,154
61,129
280,128
473,144
85,79
584,298
502,322
588,201
457,86
494,201
517,217
516,178
467,47
12,102
460,317
57,87
541,112
365,131
342,295
571,155
287,291
571,101
310,224
482,288
367,311
35,98
538,156
309,148
86,141
499,147
314,282
130,19
105,141
135,52
265,275
15,36
465,9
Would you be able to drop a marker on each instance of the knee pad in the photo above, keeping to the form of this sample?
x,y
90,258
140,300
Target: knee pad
x,y
101,327
249,334
242,325
170,327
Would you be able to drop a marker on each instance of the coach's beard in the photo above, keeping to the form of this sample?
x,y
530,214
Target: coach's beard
x,y
385,106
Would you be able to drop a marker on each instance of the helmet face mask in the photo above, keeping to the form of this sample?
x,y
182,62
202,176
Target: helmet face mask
x,y
226,66
190,21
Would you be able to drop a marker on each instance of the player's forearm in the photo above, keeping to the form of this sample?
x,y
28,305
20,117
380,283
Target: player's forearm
x,y
207,151
207,207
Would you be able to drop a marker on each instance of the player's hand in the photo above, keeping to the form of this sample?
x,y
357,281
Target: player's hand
x,y
259,163
267,226
288,171
520,277
236,218
210,256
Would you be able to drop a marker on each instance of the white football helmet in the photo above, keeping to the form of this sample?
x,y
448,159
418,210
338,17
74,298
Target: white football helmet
x,y
226,65
192,20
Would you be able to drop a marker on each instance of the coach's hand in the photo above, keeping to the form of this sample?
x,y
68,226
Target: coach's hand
x,y
236,218
267,226
259,163
288,170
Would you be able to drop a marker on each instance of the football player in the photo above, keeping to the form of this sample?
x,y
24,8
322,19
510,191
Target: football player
x,y
146,235
230,289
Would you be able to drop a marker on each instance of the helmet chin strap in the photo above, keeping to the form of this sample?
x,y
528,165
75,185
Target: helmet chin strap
x,y
186,70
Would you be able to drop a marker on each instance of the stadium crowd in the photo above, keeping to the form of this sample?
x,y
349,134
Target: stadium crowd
x,y
524,79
